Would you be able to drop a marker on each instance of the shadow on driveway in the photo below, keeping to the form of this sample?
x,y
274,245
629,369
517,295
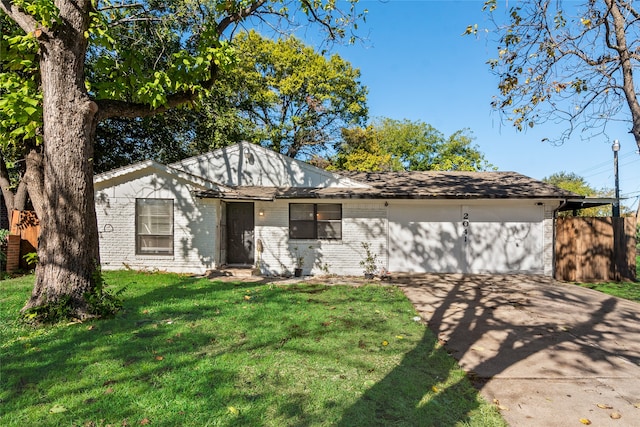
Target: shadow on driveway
x,y
546,352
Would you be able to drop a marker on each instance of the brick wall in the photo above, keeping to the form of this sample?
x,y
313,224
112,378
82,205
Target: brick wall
x,y
195,227
361,222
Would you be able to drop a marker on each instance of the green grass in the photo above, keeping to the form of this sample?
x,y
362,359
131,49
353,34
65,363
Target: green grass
x,y
626,290
192,352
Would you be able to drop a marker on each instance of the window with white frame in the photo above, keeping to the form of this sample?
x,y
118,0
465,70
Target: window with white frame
x,y
154,226
315,221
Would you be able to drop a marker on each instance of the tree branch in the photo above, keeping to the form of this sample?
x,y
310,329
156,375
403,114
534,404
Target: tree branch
x,y
238,16
24,20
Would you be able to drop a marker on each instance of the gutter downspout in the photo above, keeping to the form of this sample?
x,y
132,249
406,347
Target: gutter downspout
x,y
564,203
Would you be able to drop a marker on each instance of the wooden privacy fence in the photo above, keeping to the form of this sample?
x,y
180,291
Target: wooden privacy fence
x,y
595,249
22,239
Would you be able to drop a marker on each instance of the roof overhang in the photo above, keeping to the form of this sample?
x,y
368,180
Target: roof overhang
x,y
586,202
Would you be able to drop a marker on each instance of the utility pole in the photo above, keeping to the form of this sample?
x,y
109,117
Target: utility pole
x,y
616,206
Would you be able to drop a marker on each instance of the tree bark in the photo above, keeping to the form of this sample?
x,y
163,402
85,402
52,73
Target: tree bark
x,y
68,247
33,180
626,67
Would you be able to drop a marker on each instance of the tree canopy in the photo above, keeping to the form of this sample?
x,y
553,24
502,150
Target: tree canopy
x,y
395,145
576,184
281,94
143,59
569,63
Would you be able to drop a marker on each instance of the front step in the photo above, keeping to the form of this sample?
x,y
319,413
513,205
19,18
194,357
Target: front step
x,y
234,271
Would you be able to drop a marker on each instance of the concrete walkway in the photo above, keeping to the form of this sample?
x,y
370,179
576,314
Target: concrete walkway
x,y
547,353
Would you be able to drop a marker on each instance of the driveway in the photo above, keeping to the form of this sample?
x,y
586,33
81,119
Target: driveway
x,y
546,352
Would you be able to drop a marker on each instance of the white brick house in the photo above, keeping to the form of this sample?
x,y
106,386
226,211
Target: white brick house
x,y
246,205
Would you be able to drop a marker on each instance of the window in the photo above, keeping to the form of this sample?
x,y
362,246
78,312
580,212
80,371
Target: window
x,y
315,221
154,226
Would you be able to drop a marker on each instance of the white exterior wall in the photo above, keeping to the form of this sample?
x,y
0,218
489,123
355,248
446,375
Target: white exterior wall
x,y
195,224
549,239
362,221
247,164
471,236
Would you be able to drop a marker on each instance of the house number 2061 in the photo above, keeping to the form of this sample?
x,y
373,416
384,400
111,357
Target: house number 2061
x,y
465,224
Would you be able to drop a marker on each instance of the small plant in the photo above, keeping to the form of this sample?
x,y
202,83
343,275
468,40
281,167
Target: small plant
x,y
369,263
3,241
103,303
299,258
31,258
100,303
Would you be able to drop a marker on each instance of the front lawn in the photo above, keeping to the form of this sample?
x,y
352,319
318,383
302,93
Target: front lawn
x,y
192,352
626,290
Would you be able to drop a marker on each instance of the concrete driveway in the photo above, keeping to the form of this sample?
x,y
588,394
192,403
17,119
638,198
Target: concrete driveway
x,y
547,353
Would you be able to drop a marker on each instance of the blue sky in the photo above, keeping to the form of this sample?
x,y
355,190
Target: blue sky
x,y
418,66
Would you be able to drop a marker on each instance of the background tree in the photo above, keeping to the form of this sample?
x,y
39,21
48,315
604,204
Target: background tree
x,y
133,77
562,61
20,119
576,184
280,94
361,150
394,145
297,99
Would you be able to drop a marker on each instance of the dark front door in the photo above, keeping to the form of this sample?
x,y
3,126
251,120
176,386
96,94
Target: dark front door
x,y
240,233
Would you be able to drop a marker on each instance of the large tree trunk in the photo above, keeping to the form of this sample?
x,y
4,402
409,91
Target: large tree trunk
x,y
68,247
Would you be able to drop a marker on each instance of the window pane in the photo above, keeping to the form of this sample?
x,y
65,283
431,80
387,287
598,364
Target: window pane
x,y
301,212
329,229
154,226
155,244
329,211
302,229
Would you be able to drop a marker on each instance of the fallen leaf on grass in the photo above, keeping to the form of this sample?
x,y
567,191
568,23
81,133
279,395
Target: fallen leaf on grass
x,y
108,391
615,415
435,389
57,409
233,410
145,421
585,421
604,406
159,358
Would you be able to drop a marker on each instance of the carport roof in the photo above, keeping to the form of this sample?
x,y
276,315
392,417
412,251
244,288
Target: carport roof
x,y
410,185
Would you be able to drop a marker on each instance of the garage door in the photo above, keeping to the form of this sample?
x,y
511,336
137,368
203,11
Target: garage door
x,y
466,239
425,239
505,240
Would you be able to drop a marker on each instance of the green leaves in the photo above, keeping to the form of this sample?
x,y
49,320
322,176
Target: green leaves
x,y
21,101
44,11
393,145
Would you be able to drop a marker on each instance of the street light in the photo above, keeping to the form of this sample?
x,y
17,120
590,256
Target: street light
x,y
616,206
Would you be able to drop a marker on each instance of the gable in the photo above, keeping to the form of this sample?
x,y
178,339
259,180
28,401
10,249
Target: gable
x,y
245,164
152,174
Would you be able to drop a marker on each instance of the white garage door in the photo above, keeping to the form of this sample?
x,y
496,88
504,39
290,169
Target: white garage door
x,y
466,239
425,239
505,240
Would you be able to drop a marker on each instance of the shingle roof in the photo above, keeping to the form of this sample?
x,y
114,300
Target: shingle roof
x,y
412,185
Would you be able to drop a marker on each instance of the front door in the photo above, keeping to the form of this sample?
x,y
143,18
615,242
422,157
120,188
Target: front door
x,y
240,233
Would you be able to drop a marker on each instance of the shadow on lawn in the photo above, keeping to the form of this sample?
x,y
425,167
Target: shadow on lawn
x,y
128,349
412,394
133,339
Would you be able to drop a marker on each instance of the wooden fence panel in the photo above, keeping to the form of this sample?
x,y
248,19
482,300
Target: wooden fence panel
x,y
25,228
595,249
